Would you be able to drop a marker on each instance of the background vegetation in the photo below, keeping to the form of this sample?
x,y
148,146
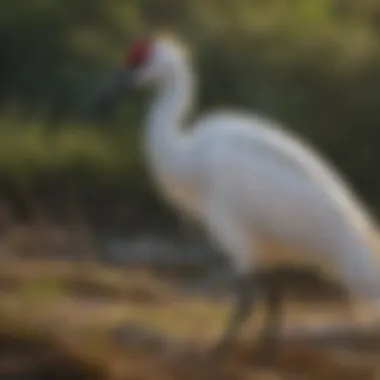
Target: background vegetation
x,y
312,64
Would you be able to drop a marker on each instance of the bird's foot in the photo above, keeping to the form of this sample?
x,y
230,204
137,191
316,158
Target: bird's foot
x,y
222,348
269,350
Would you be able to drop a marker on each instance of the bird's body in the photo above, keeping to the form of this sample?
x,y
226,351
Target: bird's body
x,y
293,206
251,183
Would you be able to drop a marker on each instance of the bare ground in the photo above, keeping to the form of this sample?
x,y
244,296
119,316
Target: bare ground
x,y
61,320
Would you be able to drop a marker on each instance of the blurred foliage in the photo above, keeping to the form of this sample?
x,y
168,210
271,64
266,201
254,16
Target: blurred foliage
x,y
312,64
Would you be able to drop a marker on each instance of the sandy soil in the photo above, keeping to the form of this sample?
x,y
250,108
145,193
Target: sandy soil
x,y
80,321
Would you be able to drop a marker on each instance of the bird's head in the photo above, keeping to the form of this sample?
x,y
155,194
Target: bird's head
x,y
153,61
147,63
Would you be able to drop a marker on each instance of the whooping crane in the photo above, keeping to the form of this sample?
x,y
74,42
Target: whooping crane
x,y
247,181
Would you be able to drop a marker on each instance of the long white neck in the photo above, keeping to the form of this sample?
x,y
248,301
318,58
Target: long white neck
x,y
164,143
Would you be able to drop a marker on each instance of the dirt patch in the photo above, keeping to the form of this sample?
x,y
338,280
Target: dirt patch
x,y
29,358
33,358
92,323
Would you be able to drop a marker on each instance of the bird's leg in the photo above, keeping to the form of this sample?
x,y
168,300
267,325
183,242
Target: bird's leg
x,y
245,290
229,234
274,307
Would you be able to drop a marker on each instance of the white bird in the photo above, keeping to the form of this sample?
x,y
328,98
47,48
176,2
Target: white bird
x,y
249,182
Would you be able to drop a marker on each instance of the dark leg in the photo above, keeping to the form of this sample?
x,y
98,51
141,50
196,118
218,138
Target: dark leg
x,y
245,297
274,306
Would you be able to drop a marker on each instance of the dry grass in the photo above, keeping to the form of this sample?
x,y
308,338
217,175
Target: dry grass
x,y
61,319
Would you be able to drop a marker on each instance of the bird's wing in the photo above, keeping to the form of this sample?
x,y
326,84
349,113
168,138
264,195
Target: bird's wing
x,y
279,187
269,168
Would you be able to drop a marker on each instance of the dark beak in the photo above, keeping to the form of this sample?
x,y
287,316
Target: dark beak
x,y
109,92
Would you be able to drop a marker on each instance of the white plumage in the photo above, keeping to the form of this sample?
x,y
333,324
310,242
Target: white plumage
x,y
250,182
